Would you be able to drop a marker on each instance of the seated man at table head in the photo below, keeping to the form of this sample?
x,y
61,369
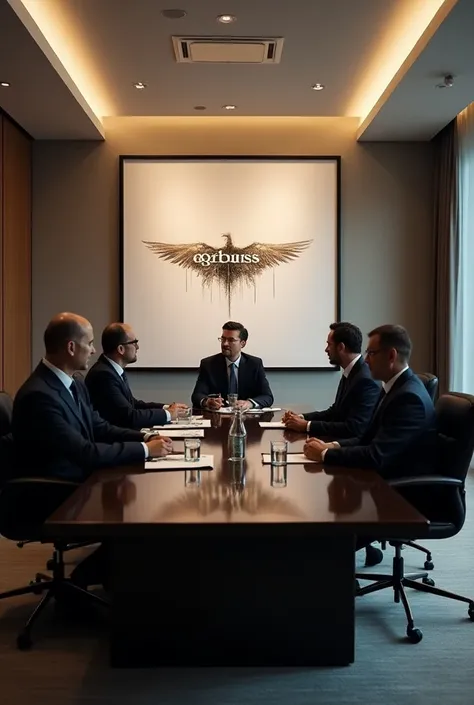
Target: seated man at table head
x,y
108,385
54,422
400,439
357,393
232,372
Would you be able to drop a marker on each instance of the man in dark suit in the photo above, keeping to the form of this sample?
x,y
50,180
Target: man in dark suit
x,y
108,385
53,416
357,393
401,437
232,372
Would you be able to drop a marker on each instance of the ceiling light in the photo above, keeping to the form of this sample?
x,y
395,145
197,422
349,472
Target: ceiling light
x,y
229,107
226,19
200,107
317,87
139,85
173,14
5,84
448,82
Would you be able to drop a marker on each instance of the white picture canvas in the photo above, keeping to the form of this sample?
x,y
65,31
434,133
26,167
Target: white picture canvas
x,y
253,240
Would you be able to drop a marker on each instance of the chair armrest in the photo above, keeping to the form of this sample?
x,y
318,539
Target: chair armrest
x,y
45,481
426,480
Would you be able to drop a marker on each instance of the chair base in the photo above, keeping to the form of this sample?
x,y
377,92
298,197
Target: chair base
x,y
57,586
398,581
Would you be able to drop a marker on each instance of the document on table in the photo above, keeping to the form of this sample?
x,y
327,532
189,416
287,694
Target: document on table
x,y
292,459
263,410
171,432
271,424
200,423
177,462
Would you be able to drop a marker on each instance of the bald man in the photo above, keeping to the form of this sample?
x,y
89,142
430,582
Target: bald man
x,y
108,385
53,418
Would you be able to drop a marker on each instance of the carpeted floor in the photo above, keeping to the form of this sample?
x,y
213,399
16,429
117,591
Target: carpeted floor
x,y
68,665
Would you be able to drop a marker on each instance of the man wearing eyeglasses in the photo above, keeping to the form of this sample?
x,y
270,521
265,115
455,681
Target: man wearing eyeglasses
x,y
401,437
232,372
110,391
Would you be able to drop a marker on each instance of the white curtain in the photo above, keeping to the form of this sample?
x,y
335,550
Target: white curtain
x,y
463,343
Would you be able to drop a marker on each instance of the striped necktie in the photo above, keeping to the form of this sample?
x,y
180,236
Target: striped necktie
x,y
233,386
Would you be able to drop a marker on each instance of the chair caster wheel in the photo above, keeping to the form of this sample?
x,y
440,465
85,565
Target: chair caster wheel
x,y
36,581
428,581
471,612
429,565
24,642
414,635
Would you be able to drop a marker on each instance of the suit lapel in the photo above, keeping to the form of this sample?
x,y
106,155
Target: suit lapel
x,y
222,379
66,397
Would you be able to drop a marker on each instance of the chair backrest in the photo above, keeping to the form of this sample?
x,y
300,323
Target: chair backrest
x,y
6,408
431,383
455,433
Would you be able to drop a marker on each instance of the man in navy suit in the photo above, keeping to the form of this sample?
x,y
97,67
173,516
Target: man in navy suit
x,y
401,437
357,393
232,372
53,416
108,385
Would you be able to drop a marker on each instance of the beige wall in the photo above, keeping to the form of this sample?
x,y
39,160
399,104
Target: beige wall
x,y
386,228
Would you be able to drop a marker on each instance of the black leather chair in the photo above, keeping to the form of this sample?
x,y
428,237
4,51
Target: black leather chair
x,y
440,497
25,504
6,407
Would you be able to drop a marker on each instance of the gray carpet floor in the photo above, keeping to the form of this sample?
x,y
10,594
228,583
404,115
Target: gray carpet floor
x,y
68,665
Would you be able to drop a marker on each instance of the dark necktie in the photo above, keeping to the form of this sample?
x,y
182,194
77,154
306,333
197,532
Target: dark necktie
x,y
341,388
380,401
125,380
233,386
74,392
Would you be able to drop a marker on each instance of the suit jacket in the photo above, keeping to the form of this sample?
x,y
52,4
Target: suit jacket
x,y
114,401
213,379
401,438
55,438
353,407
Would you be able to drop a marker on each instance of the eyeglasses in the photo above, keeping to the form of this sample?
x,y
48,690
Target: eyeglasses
x,y
372,353
228,340
130,342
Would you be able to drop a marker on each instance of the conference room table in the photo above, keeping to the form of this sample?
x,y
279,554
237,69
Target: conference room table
x,y
250,564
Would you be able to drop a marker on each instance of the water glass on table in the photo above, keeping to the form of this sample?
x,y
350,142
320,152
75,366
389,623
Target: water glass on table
x,y
278,452
232,400
192,450
184,415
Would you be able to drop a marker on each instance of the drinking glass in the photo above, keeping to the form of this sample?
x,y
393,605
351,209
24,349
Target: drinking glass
x,y
184,415
278,452
192,449
232,399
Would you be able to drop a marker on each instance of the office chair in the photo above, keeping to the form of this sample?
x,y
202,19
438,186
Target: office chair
x,y
25,504
431,385
440,497
6,408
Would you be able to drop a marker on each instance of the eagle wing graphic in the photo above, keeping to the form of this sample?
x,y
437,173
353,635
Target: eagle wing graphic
x,y
228,274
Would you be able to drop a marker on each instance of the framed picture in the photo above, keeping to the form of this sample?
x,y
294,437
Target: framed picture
x,y
205,240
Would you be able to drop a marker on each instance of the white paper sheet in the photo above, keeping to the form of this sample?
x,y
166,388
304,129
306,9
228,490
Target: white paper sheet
x,y
292,459
202,423
177,462
183,432
264,410
271,424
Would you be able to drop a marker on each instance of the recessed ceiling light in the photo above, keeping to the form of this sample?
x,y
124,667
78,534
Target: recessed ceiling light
x,y
173,14
317,87
139,85
226,19
448,82
5,84
200,107
229,107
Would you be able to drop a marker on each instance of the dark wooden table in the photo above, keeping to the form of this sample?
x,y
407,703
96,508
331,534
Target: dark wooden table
x,y
235,571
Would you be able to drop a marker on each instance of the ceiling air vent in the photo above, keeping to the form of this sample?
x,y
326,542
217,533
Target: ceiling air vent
x,y
228,50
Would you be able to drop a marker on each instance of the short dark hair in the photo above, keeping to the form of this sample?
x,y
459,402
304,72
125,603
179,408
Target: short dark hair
x,y
233,325
393,336
59,332
348,334
113,335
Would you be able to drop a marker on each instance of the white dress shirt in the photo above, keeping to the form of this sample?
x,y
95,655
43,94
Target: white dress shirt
x,y
67,381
